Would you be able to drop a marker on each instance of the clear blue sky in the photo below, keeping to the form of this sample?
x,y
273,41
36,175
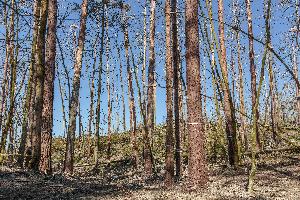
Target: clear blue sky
x,y
280,27
282,20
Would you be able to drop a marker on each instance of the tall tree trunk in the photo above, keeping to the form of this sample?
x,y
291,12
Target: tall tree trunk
x,y
144,91
69,156
11,58
228,102
6,65
92,95
47,114
273,100
295,64
244,139
256,105
197,162
151,92
122,93
40,73
252,65
99,86
108,88
132,109
176,73
169,160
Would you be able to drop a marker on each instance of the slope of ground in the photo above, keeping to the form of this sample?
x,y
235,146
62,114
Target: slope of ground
x,y
278,177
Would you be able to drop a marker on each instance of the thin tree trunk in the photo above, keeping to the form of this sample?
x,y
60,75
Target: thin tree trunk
x,y
228,102
99,88
256,105
132,109
92,95
69,156
175,54
241,94
150,93
108,88
295,64
11,58
6,65
273,100
197,162
252,64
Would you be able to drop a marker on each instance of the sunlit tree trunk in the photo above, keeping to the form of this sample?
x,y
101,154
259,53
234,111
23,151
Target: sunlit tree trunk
x,y
256,105
244,139
45,162
295,64
11,57
108,88
228,102
99,87
197,162
69,156
176,73
132,108
6,65
252,64
151,91
273,99
169,160
92,95
39,88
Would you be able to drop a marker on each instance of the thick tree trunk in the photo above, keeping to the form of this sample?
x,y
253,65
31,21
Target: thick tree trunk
x,y
228,102
69,156
197,162
40,73
169,160
47,114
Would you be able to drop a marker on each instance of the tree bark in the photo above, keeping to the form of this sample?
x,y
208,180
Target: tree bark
x,y
47,114
99,86
132,108
12,64
40,73
252,65
169,160
176,73
228,102
150,93
69,156
197,162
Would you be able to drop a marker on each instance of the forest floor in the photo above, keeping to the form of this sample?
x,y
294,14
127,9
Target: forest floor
x,y
278,177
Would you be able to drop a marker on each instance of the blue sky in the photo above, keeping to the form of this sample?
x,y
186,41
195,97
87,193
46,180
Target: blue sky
x,y
282,20
280,26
